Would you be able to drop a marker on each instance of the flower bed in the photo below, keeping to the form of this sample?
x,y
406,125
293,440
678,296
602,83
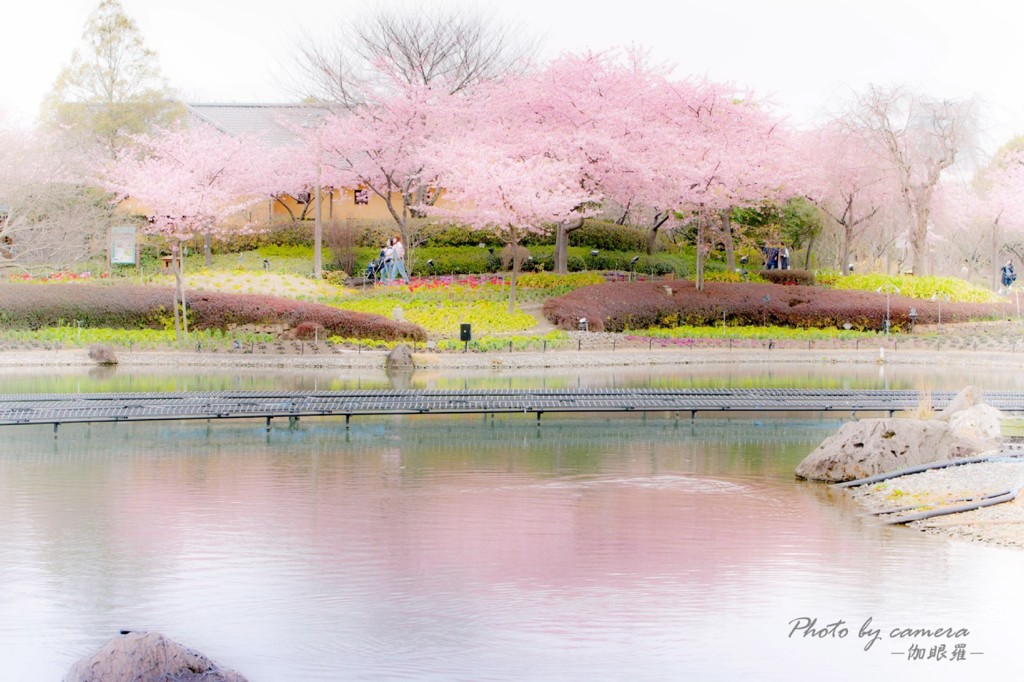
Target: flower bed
x,y
136,307
641,305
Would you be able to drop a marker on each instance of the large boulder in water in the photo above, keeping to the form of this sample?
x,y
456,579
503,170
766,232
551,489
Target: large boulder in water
x,y
102,355
400,358
873,446
148,656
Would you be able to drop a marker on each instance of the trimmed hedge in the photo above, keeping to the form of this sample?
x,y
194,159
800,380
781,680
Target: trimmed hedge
x,y
133,307
802,277
640,305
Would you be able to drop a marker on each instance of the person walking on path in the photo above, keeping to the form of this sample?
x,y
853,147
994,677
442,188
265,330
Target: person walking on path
x,y
398,261
1009,276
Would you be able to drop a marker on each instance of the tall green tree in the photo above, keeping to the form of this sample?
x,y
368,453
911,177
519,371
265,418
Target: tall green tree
x,y
112,88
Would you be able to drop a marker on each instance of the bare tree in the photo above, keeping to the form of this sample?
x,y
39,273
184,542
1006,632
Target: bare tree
x,y
48,219
112,88
920,138
458,48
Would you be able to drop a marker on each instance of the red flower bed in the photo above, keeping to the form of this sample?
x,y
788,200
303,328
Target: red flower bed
x,y
639,305
219,310
133,307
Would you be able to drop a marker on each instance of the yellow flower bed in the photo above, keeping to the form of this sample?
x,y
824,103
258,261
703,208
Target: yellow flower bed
x,y
265,283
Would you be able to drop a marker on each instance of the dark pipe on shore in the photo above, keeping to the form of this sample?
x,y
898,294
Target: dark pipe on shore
x,y
1008,496
877,478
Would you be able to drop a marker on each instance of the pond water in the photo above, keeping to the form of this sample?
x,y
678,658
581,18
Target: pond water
x,y
475,548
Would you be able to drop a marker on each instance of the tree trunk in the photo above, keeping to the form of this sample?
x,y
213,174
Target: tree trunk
x,y
177,290
515,271
179,277
996,279
922,212
652,238
562,232
807,255
652,234
699,272
730,247
207,250
844,259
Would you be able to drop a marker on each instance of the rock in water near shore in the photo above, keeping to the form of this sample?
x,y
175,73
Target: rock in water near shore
x,y
969,416
400,358
968,397
148,656
102,355
874,446
980,421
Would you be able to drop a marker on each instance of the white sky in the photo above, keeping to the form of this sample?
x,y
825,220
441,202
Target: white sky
x,y
807,55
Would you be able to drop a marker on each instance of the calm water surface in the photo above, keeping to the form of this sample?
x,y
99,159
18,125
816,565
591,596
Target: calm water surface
x,y
479,549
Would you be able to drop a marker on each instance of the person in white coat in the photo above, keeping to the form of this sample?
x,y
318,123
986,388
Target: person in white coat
x,y
398,260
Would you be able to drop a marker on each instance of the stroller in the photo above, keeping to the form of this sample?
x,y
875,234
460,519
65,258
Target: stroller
x,y
376,268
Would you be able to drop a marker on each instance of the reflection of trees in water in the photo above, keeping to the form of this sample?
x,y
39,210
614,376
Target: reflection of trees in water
x,y
763,375
418,444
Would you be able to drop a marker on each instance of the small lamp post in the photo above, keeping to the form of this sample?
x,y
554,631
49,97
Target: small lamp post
x,y
938,301
889,290
913,318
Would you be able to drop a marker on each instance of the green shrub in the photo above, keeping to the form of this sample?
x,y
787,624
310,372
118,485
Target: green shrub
x,y
608,236
336,277
460,260
449,235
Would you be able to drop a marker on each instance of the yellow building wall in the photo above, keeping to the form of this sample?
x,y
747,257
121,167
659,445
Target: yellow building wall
x,y
338,205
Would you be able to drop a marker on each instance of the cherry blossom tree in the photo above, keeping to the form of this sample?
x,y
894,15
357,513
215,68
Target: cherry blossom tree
x,y
723,150
491,182
595,112
1000,205
919,138
188,181
382,146
846,180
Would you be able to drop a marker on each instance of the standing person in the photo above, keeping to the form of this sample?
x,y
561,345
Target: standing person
x,y
784,258
398,260
389,258
1009,276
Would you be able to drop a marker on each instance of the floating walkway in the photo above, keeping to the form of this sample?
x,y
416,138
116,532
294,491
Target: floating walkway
x,y
65,408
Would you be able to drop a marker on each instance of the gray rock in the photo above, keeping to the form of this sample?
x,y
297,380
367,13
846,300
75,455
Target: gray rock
x,y
141,656
102,355
400,358
874,446
966,398
979,421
